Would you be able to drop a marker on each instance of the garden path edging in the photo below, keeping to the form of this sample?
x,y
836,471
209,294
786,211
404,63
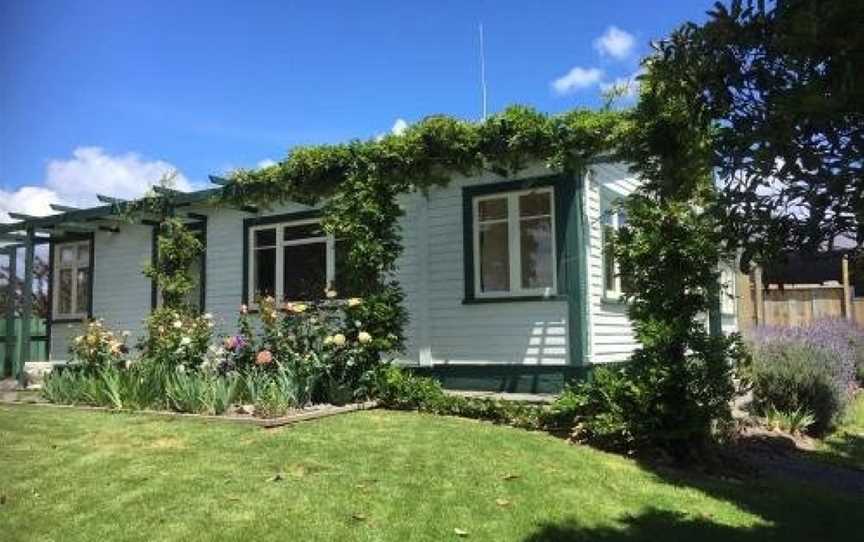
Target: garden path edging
x,y
267,423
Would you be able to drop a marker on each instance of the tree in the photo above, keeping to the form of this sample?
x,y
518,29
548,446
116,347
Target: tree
x,y
779,88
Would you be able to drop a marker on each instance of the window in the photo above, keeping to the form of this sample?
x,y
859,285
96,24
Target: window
x,y
292,261
72,280
514,244
613,220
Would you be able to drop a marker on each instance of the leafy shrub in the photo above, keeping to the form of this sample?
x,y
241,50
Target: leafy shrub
x,y
648,402
322,347
98,347
809,368
400,389
795,422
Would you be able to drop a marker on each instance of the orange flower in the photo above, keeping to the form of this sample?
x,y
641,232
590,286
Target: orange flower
x,y
264,357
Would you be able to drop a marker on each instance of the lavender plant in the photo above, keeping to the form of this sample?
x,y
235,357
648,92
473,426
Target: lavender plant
x,y
808,368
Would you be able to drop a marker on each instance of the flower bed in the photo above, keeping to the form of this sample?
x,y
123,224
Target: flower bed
x,y
302,356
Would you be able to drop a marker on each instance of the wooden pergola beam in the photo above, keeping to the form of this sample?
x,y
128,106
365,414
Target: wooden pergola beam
x,y
63,208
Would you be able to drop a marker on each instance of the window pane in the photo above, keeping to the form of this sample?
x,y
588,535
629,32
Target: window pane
x,y
609,258
305,272
535,241
64,294
82,290
303,231
84,253
265,238
494,258
67,254
492,209
535,204
264,272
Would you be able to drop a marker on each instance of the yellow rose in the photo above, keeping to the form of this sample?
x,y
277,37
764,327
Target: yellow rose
x,y
364,337
354,301
339,339
299,307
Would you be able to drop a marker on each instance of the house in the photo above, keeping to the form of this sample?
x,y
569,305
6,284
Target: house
x,y
509,282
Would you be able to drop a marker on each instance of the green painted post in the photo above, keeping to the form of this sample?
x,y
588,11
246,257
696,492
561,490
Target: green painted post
x,y
575,271
9,362
26,304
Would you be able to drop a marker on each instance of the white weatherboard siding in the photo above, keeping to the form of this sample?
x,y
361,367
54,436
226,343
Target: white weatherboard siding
x,y
610,334
442,330
450,332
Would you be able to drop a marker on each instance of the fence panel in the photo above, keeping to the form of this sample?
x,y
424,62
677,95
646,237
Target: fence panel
x,y
38,344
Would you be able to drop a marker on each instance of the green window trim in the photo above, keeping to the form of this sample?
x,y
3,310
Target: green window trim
x,y
53,243
570,251
469,193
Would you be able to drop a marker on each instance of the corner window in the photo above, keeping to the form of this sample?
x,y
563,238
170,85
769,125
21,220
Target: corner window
x,y
291,261
514,244
72,277
613,220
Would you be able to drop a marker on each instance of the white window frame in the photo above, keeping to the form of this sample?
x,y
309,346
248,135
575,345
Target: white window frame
x,y
74,266
330,265
514,247
614,216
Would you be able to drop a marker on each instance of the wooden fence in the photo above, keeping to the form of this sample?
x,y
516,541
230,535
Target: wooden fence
x,y
10,357
795,304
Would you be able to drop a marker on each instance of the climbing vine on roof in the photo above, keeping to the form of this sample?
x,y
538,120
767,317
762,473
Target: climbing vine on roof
x,y
358,183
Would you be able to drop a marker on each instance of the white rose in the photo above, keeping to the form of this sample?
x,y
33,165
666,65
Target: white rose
x,y
177,324
339,339
364,337
185,341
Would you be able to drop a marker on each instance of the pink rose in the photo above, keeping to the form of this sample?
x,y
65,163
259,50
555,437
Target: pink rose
x,y
264,357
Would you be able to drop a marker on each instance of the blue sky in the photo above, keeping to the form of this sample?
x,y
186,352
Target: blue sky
x,y
104,96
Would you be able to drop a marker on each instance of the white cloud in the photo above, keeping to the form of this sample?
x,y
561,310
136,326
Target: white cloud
x,y
267,162
399,127
90,171
577,79
615,43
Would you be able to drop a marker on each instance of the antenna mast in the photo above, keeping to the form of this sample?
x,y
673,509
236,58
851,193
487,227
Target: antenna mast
x,y
482,72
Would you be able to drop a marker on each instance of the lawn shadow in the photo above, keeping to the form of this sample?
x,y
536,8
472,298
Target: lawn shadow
x,y
650,525
843,448
795,496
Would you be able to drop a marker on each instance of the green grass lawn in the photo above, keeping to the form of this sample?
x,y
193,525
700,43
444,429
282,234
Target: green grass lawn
x,y
846,445
374,475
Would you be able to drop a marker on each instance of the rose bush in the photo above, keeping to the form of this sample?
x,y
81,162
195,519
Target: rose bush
x,y
99,346
177,338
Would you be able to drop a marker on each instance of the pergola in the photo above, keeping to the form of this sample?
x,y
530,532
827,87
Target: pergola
x,y
30,231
